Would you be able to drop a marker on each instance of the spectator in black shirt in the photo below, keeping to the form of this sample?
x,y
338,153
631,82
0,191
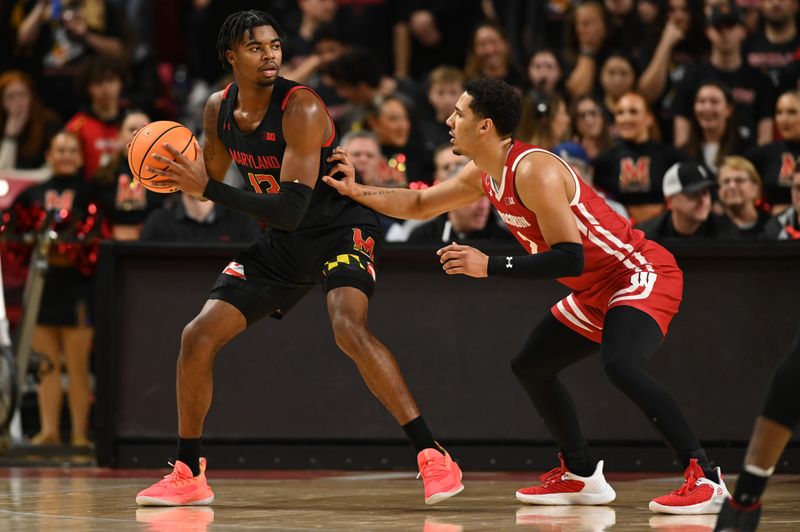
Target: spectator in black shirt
x,y
475,221
299,59
752,90
590,125
687,188
777,44
786,226
714,135
632,171
546,73
192,220
445,85
740,195
777,161
489,56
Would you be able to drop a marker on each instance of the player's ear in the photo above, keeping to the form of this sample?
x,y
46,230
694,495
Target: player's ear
x,y
486,125
230,57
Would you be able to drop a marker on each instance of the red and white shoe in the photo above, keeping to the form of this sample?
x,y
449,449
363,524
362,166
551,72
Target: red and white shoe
x,y
697,495
560,486
441,476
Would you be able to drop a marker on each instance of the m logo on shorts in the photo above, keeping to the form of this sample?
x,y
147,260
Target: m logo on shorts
x,y
234,269
364,246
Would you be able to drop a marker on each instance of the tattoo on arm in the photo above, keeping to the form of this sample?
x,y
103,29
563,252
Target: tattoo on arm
x,y
210,128
378,192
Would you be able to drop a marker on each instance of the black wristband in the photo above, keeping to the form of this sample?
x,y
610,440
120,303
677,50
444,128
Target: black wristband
x,y
564,259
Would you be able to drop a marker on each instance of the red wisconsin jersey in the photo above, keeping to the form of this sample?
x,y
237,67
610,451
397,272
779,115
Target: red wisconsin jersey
x,y
612,248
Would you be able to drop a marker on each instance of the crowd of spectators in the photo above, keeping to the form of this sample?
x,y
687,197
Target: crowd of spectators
x,y
683,114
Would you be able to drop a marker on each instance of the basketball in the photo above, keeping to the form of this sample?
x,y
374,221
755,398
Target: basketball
x,y
149,141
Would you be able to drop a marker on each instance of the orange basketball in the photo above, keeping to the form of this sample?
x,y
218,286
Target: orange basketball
x,y
150,140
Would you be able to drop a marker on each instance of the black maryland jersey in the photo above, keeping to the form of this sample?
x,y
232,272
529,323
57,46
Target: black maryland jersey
x,y
259,156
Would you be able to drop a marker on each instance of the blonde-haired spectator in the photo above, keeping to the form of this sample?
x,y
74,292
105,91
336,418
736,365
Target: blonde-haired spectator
x,y
740,194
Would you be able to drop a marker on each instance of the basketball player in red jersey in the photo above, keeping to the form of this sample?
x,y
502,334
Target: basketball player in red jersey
x,y
280,136
626,289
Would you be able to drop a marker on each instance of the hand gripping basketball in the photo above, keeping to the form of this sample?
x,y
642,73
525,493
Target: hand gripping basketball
x,y
181,172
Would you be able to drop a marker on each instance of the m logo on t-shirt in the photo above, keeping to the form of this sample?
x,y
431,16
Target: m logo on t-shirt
x,y
634,175
788,168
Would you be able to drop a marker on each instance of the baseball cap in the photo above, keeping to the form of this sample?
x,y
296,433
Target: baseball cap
x,y
686,178
725,15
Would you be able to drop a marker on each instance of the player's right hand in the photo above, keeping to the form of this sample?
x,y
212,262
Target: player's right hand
x,y
346,185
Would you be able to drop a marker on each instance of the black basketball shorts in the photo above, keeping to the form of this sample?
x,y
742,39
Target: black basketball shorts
x,y
273,274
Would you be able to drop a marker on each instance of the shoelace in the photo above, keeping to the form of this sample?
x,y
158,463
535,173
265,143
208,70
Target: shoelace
x,y
431,468
554,475
687,486
174,477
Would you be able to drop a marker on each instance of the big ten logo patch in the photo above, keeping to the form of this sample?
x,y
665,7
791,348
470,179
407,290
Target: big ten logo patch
x,y
268,136
55,201
634,174
789,165
365,246
130,195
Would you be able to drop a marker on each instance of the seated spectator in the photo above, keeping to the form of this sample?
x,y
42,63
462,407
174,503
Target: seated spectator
x,y
390,120
632,171
545,73
97,124
192,220
590,126
740,195
54,38
445,85
777,161
64,328
489,56
27,128
545,121
590,50
125,202
617,77
687,188
786,226
298,58
752,91
681,44
472,222
713,135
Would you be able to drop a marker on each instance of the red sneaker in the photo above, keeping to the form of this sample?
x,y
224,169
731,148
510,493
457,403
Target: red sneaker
x,y
179,488
560,486
697,495
440,475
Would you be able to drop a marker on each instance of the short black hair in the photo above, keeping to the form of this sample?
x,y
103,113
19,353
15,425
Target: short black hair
x,y
356,66
97,69
497,100
239,23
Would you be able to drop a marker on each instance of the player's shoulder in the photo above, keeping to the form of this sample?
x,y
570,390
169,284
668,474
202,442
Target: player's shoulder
x,y
540,166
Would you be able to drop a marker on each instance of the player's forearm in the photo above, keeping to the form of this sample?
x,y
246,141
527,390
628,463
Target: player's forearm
x,y
564,259
284,210
396,202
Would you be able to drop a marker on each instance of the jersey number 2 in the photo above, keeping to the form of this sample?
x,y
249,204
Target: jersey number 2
x,y
257,181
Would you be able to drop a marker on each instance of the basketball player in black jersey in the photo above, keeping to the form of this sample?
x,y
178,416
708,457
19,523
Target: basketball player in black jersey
x,y
280,136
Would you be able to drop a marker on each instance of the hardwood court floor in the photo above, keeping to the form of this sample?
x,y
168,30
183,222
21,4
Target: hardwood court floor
x,y
93,499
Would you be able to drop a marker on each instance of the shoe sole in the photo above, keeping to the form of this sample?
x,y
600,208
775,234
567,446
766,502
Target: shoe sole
x,y
153,501
708,507
439,497
568,499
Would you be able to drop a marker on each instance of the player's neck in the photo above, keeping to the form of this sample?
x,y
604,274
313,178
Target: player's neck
x,y
492,158
254,98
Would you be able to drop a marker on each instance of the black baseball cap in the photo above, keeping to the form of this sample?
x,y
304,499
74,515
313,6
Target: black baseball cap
x,y
686,178
725,15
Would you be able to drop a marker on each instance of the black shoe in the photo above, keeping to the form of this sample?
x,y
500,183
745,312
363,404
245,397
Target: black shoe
x,y
737,518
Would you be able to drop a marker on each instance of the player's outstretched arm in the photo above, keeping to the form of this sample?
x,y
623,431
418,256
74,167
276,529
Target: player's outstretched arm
x,y
463,189
542,187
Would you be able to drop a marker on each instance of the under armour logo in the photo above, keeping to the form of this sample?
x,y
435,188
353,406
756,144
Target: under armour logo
x,y
508,263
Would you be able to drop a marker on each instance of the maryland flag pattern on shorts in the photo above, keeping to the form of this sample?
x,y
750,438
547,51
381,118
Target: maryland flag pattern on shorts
x,y
349,259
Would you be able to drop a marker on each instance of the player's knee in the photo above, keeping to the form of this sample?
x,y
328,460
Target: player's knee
x,y
197,342
349,334
525,367
620,372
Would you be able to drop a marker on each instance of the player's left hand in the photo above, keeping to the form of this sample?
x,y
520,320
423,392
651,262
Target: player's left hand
x,y
458,259
189,176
